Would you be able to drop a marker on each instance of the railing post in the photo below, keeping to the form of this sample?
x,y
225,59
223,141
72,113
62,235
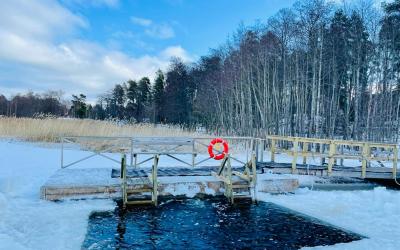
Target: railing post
x,y
262,150
395,156
154,180
364,160
321,151
254,177
273,150
257,142
305,149
295,152
332,152
229,174
123,177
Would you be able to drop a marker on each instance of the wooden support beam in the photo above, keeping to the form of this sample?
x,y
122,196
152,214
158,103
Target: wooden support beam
x,y
124,184
220,177
273,145
365,149
241,175
295,152
332,151
155,180
305,149
253,182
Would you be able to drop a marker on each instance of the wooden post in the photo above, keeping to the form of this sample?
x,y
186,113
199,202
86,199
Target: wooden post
x,y
332,152
262,150
305,149
154,180
321,151
395,156
256,148
254,177
341,152
227,179
273,150
123,176
364,160
135,156
295,152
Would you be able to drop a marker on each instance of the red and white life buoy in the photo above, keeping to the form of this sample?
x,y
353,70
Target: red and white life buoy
x,y
221,155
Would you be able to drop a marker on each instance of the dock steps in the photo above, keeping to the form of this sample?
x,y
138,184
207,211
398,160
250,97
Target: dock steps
x,y
134,196
238,184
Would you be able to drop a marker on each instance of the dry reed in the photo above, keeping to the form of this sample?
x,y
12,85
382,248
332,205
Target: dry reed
x,y
50,130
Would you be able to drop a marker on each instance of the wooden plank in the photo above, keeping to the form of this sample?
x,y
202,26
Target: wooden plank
x,y
221,178
241,175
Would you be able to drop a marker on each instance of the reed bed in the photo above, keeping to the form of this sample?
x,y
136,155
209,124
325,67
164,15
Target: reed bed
x,y
51,129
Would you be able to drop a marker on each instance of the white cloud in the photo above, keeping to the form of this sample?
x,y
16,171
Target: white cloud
x,y
152,29
33,57
177,51
162,31
141,21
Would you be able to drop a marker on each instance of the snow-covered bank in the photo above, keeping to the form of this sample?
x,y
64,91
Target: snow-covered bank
x,y
26,222
373,213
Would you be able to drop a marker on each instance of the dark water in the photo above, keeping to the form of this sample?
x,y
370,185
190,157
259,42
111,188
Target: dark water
x,y
209,224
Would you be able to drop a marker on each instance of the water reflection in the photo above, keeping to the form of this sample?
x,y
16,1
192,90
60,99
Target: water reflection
x,y
208,224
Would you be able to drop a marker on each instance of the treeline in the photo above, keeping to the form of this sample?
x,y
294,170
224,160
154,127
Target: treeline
x,y
169,99
313,70
33,105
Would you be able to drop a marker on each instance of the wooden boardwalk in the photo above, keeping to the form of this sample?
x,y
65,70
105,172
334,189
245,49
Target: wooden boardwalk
x,y
173,171
337,171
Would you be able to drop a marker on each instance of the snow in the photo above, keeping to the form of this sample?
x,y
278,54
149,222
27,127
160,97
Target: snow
x,y
373,213
26,222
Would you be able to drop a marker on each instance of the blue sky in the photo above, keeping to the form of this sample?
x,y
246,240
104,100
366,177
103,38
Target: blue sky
x,y
90,45
195,25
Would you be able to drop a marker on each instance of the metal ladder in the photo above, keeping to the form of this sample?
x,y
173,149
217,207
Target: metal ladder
x,y
150,187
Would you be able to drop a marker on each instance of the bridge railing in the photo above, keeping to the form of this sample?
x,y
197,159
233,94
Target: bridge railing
x,y
240,151
332,150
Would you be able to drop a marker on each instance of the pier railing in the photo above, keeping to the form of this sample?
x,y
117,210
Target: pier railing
x,y
331,150
192,151
240,151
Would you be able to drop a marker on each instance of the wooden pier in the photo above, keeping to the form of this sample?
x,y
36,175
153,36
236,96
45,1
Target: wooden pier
x,y
332,154
132,179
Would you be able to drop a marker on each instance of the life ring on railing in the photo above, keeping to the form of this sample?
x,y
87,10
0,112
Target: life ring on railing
x,y
221,155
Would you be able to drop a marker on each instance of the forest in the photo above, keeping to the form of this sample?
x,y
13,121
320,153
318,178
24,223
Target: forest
x,y
316,69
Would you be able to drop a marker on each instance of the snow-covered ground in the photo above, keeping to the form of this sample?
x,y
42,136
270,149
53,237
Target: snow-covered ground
x,y
373,213
26,222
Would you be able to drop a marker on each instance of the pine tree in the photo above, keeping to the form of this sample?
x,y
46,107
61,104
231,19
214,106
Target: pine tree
x,y
158,97
79,107
179,91
131,96
143,98
118,96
